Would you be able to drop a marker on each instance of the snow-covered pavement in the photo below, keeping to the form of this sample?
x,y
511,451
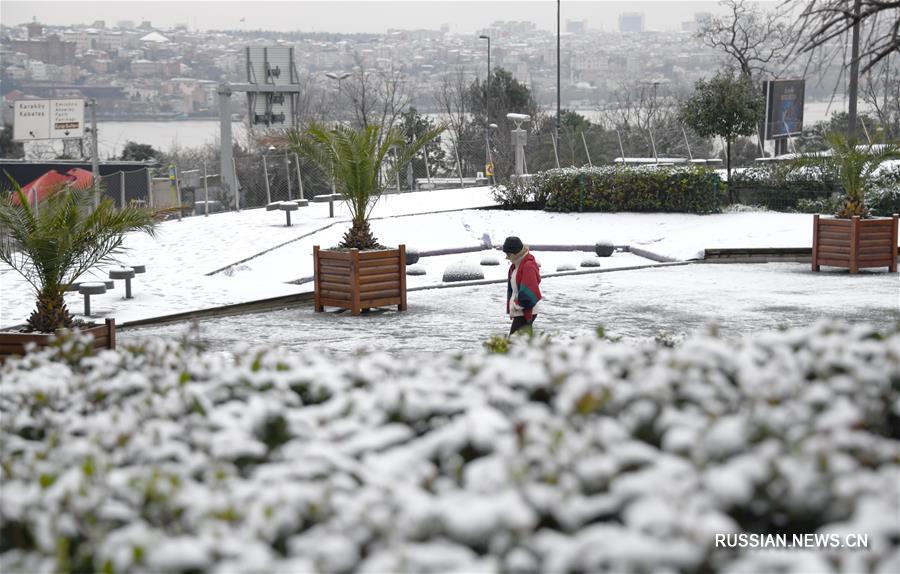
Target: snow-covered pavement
x,y
256,256
674,301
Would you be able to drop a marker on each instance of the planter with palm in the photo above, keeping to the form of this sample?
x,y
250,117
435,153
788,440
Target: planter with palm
x,y
851,238
55,244
361,162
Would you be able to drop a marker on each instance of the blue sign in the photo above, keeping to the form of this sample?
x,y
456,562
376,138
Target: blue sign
x,y
784,108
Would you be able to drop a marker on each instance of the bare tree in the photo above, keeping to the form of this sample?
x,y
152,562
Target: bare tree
x,y
881,90
378,96
819,22
637,110
755,40
452,100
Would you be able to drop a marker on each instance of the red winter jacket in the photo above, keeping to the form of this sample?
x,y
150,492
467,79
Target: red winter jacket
x,y
528,280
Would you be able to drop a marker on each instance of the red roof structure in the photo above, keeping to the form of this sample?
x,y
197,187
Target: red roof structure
x,y
52,181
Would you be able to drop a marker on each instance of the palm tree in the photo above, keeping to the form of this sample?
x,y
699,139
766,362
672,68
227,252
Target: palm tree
x,y
54,245
358,161
852,165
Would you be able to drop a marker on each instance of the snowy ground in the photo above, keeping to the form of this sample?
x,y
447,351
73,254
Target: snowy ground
x,y
638,304
206,262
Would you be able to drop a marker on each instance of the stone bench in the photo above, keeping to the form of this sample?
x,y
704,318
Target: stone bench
x,y
330,198
74,286
127,273
287,207
91,288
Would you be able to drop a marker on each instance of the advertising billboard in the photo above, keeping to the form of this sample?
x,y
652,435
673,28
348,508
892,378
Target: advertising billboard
x,y
784,108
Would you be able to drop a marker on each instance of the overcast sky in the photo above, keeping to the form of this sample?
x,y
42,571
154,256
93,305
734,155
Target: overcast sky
x,y
462,16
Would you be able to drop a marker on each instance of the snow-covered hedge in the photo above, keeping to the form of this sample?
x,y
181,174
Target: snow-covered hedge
x,y
566,456
675,189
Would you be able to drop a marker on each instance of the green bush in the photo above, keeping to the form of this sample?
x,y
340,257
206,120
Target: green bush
x,y
613,189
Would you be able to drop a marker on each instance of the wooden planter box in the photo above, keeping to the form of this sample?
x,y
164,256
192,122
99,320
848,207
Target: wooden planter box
x,y
855,243
358,280
12,343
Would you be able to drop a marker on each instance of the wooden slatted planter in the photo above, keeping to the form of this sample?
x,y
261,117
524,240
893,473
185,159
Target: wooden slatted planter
x,y
855,243
13,343
358,280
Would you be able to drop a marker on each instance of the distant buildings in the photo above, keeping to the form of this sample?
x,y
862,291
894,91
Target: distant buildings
x,y
49,50
630,22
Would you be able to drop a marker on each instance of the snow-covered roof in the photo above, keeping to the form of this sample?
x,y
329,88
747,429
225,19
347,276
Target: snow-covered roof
x,y
155,37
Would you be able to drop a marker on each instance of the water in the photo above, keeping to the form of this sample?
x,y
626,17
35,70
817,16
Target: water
x,y
166,136
163,136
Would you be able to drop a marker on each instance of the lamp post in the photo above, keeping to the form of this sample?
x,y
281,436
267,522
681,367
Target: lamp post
x,y
340,78
489,160
557,72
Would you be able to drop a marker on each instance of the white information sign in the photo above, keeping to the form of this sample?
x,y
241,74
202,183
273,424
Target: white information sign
x,y
48,119
31,120
66,118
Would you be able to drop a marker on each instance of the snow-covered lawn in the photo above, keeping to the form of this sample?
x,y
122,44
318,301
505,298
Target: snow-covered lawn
x,y
261,254
567,456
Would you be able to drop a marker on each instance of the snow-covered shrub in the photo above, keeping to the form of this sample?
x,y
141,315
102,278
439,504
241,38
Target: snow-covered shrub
x,y
565,267
782,186
574,456
591,262
604,248
490,260
415,270
883,192
462,271
412,255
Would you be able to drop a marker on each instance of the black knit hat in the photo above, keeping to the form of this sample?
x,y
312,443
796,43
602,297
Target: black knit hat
x,y
512,244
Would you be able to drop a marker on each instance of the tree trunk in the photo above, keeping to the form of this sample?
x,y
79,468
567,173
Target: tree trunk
x,y
50,313
728,164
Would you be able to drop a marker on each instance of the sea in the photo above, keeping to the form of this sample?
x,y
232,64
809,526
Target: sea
x,y
169,135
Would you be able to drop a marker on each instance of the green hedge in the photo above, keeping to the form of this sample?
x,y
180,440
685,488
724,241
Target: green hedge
x,y
612,189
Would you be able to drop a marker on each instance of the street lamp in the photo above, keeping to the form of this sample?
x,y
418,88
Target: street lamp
x,y
557,72
489,160
339,77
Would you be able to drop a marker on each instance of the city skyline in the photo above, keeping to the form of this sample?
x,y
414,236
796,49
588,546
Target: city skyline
x,y
356,16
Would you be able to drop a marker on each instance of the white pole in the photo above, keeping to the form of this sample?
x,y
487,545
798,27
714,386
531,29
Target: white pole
x,y
287,174
205,192
149,188
688,145
299,177
462,184
237,195
427,169
178,192
266,175
584,141
555,151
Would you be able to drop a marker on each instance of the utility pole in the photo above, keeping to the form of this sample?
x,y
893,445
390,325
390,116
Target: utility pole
x,y
854,75
558,98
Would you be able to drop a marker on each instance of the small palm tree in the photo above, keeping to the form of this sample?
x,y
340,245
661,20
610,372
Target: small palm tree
x,y
358,161
851,165
53,246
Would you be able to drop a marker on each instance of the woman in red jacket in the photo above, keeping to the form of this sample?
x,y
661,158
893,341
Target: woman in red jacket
x,y
522,285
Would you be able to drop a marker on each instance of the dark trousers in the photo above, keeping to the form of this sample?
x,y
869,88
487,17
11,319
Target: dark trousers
x,y
521,323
